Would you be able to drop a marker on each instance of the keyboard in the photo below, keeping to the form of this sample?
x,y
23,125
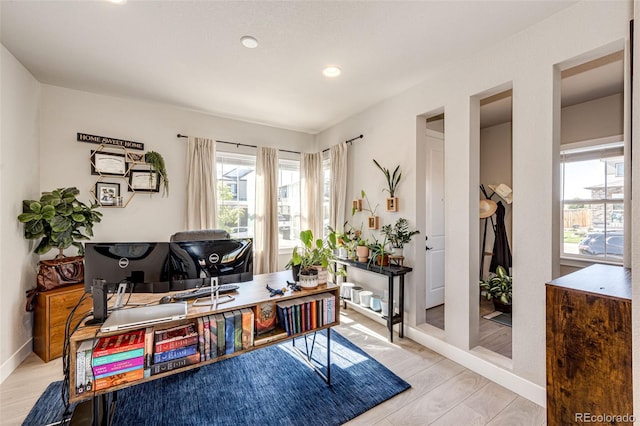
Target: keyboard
x,y
204,292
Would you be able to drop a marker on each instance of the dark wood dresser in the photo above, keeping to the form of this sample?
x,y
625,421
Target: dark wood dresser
x,y
589,346
50,316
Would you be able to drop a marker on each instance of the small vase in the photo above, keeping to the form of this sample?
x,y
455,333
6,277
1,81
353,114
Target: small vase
x,y
363,253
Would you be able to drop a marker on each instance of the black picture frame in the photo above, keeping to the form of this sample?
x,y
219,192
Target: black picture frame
x,y
144,181
108,164
107,193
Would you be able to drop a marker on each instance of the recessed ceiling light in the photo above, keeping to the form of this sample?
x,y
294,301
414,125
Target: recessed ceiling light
x,y
118,1
331,71
249,42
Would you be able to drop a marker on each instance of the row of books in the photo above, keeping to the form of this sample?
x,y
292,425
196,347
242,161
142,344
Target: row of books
x,y
118,359
225,333
306,313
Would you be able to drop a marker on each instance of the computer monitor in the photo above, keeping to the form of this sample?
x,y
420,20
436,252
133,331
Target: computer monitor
x,y
193,262
144,264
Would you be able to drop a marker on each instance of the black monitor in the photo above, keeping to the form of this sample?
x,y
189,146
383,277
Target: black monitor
x,y
144,264
194,262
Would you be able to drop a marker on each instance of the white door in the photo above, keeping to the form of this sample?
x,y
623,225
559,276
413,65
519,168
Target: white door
x,y
435,218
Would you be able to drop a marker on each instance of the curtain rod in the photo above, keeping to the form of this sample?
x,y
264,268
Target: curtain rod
x,y
237,144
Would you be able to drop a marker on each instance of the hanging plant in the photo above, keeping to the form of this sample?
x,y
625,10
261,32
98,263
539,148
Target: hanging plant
x,y
392,178
155,160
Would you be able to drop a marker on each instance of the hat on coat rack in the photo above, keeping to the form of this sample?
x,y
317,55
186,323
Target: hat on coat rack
x,y
487,208
504,191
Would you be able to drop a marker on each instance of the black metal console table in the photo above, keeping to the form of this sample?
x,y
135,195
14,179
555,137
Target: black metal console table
x,y
390,271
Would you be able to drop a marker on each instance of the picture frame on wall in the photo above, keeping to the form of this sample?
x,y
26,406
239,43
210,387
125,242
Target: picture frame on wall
x,y
144,181
107,193
108,163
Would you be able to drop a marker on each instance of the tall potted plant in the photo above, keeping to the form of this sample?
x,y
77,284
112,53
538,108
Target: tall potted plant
x,y
312,259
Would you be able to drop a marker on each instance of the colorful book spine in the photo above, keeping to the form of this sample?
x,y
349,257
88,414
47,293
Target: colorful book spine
x,y
247,328
220,325
175,344
119,343
229,330
108,359
113,373
265,317
175,332
118,365
174,354
213,331
175,364
237,330
118,379
207,338
201,338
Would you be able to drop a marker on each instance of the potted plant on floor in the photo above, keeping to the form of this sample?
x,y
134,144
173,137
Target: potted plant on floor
x,y
398,235
498,287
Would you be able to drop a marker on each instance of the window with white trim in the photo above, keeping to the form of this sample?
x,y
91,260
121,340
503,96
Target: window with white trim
x,y
593,202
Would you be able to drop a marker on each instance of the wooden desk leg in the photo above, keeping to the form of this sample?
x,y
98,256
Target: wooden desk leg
x,y
391,312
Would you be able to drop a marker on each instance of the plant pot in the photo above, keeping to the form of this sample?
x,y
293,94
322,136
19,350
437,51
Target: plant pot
x,y
398,251
363,253
309,279
295,271
501,307
382,260
365,298
323,274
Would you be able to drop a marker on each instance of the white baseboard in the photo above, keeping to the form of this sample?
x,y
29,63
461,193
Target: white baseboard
x,y
15,360
494,367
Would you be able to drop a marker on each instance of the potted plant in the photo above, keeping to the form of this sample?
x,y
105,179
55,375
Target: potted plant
x,y
372,220
498,288
312,259
379,254
392,184
362,250
59,219
156,161
399,234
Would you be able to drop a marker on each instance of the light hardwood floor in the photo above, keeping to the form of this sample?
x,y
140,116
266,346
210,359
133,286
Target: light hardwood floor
x,y
442,392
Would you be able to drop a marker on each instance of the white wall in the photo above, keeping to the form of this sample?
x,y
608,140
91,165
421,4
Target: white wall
x,y
594,119
526,62
65,162
19,179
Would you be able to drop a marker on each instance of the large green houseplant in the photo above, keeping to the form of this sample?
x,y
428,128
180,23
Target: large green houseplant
x,y
499,288
399,234
59,219
313,255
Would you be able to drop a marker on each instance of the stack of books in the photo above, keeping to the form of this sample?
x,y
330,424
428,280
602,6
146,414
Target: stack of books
x,y
118,359
174,348
306,313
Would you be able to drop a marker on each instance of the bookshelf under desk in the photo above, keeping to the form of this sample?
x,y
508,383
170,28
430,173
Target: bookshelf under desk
x,y
250,294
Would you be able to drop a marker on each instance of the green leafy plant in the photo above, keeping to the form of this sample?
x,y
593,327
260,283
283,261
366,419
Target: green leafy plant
x,y
378,252
399,234
156,161
59,219
372,211
313,252
392,178
498,286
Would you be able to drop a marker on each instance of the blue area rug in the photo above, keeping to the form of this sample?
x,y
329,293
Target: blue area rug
x,y
270,386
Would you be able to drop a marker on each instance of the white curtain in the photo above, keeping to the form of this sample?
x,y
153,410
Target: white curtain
x,y
266,222
338,188
311,187
201,183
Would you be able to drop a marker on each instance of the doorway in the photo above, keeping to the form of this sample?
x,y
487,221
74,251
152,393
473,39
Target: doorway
x,y
434,220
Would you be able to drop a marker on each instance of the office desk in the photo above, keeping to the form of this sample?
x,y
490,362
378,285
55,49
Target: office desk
x,y
391,272
249,295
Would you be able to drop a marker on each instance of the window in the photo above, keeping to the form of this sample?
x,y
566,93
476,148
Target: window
x,y
236,176
593,202
288,202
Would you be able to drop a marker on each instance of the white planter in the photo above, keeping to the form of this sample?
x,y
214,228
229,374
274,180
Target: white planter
x,y
365,298
308,281
323,274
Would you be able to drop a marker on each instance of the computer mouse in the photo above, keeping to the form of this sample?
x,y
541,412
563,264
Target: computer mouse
x,y
165,299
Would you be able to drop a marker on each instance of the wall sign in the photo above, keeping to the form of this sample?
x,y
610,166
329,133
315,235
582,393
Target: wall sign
x,y
83,137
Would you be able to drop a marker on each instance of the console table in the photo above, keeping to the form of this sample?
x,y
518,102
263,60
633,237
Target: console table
x,y
249,295
391,272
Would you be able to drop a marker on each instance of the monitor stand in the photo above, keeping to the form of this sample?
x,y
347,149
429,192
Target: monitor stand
x,y
214,299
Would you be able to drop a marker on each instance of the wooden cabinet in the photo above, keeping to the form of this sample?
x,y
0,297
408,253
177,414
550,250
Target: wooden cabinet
x,y
589,346
50,315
